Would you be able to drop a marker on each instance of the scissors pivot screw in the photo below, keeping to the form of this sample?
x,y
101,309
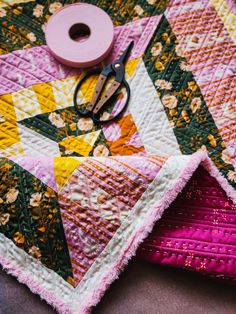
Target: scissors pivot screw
x,y
100,99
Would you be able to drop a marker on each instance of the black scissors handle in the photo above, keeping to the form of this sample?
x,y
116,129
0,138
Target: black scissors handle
x,y
116,68
94,114
85,112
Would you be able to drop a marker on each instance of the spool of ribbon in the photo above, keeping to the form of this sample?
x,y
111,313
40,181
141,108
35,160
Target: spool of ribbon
x,y
80,35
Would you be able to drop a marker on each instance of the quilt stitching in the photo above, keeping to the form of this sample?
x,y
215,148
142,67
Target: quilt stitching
x,y
211,65
30,217
184,107
96,210
227,16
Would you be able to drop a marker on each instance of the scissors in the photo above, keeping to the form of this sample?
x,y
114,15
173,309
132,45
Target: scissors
x,y
94,108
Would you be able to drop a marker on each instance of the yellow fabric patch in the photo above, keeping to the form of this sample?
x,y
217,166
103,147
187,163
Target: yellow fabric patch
x,y
14,150
26,103
63,168
87,88
8,128
45,97
82,144
131,66
63,91
11,2
227,17
7,107
8,134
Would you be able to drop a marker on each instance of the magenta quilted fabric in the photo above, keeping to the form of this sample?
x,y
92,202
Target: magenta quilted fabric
x,y
197,232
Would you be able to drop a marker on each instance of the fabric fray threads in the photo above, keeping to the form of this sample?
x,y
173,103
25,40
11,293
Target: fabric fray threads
x,y
214,172
154,214
85,196
197,231
34,286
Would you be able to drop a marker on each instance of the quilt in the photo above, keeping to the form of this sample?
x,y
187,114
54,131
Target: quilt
x,y
77,200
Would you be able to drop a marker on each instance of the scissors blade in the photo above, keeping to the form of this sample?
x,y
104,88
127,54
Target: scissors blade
x,y
107,96
125,55
98,89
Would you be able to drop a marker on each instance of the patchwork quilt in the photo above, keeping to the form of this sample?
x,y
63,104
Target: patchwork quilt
x,y
77,200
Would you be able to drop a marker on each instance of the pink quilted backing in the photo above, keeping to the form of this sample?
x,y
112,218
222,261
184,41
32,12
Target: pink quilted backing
x,y
197,232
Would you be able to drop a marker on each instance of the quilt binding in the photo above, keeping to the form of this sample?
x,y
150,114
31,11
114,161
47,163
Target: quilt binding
x,y
170,194
187,165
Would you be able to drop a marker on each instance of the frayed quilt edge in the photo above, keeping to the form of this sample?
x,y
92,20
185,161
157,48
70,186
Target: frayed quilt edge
x,y
136,239
197,159
34,286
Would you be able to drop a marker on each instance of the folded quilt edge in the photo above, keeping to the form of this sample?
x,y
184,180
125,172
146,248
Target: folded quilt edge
x,y
183,168
195,160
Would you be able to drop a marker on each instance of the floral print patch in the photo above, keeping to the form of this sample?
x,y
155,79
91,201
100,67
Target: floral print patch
x,y
30,216
23,25
181,97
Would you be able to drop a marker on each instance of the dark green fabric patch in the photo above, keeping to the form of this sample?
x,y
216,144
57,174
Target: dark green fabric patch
x,y
181,97
23,25
30,217
41,124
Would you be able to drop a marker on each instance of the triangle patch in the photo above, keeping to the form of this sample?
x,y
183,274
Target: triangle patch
x,y
63,168
82,144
